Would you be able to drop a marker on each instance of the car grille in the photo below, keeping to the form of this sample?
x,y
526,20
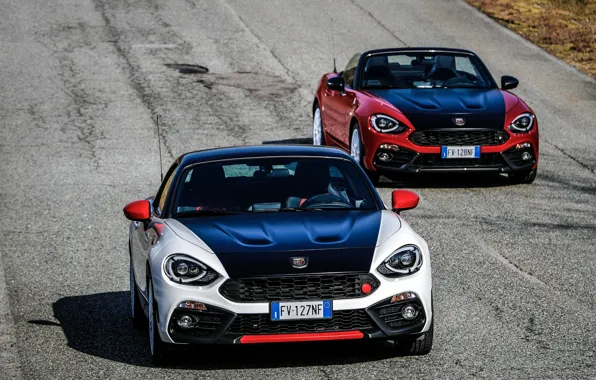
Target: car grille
x,y
297,288
515,156
390,313
342,320
396,158
459,137
206,322
436,161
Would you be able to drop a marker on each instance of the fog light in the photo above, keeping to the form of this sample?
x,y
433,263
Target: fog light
x,y
185,321
384,156
192,305
526,156
409,312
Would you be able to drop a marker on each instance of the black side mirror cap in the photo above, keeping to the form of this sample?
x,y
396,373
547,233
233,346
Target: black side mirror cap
x,y
336,83
508,82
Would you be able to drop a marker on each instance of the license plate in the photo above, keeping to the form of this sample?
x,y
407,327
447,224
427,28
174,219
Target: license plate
x,y
460,152
283,311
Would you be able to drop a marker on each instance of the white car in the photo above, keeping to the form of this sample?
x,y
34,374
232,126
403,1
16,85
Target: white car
x,y
273,244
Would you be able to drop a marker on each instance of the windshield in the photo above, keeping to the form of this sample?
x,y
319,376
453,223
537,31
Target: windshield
x,y
272,185
424,70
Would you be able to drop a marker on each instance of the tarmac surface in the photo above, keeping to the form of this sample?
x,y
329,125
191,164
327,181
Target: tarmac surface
x,y
82,82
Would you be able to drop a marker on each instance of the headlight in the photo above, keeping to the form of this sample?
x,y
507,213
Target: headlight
x,y
385,124
522,123
406,260
186,270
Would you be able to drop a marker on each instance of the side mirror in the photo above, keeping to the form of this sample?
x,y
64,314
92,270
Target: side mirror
x,y
404,200
508,82
337,83
138,211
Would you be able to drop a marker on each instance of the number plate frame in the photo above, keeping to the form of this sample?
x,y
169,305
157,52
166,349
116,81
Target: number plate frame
x,y
445,151
275,306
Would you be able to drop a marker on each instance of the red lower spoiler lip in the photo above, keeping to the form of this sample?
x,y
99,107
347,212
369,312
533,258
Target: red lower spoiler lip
x,y
284,338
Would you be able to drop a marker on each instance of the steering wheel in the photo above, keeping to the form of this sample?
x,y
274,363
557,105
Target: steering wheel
x,y
325,200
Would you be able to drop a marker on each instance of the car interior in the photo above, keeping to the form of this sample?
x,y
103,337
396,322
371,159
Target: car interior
x,y
297,185
420,71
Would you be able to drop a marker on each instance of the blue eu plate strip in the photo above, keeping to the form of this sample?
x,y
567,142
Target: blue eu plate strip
x,y
477,152
327,309
275,311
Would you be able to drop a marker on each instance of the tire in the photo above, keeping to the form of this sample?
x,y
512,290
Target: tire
x,y
525,177
416,347
318,136
157,347
357,152
137,315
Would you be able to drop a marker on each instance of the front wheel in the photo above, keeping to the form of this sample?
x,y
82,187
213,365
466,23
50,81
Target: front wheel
x,y
420,346
137,315
357,152
318,137
156,345
523,177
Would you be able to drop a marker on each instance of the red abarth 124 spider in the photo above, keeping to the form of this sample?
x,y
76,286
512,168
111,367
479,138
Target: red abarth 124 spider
x,y
426,110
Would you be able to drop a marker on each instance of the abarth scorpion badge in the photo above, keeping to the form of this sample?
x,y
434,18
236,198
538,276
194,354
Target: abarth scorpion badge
x,y
299,262
459,121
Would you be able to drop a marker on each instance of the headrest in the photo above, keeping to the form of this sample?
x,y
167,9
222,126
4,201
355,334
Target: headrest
x,y
311,170
205,174
376,60
445,62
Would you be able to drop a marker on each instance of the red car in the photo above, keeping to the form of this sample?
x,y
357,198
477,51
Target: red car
x,y
426,110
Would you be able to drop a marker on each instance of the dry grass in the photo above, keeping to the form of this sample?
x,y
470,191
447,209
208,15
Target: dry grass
x,y
565,28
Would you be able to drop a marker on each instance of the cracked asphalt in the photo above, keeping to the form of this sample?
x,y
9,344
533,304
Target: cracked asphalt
x,y
82,83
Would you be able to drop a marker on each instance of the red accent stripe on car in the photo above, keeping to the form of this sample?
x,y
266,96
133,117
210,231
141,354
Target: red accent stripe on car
x,y
281,338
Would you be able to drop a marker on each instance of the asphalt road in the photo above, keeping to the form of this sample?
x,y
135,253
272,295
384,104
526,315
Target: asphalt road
x,y
81,82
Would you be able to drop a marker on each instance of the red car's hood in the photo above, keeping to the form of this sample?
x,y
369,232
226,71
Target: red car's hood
x,y
437,108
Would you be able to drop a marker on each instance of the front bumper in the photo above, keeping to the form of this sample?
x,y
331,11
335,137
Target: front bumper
x,y
225,322
219,326
405,155
411,161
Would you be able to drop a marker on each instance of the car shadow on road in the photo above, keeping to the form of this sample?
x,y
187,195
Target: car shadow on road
x,y
99,325
444,180
296,141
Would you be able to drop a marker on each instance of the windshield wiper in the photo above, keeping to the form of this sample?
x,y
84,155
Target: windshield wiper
x,y
385,87
333,208
293,209
465,85
184,214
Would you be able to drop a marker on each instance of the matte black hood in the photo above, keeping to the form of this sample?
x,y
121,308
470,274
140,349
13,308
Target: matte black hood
x,y
262,244
436,108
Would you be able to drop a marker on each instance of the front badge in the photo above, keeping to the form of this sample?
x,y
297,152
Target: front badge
x,y
459,121
299,262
